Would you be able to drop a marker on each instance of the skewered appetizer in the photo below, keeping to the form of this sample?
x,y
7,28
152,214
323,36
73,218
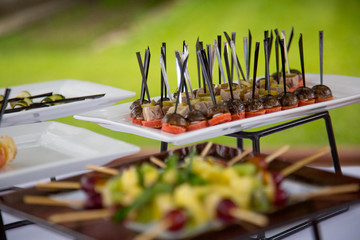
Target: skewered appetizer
x,y
8,150
227,99
197,189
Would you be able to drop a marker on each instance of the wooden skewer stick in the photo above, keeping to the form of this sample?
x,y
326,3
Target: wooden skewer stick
x,y
157,162
249,216
326,191
59,185
106,170
277,153
154,231
43,200
294,167
238,157
206,149
80,215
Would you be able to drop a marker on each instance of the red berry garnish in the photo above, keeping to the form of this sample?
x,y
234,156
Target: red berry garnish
x,y
281,197
223,210
88,183
93,201
177,219
277,178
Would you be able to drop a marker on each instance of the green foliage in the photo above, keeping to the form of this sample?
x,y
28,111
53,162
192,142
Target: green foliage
x,y
97,42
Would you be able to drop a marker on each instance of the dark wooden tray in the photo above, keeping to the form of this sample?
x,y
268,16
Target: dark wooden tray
x,y
105,229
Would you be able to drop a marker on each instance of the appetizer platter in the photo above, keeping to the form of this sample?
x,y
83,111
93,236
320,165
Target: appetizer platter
x,y
48,149
346,91
212,110
266,199
55,99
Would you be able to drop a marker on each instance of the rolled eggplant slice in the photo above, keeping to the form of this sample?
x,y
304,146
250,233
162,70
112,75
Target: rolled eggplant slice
x,y
235,106
289,100
322,91
195,116
270,101
175,119
304,93
253,105
217,109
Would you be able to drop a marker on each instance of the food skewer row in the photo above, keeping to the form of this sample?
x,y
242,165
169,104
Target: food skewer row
x,y
219,95
48,101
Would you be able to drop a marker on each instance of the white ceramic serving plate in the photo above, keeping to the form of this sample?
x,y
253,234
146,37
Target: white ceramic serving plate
x,y
346,91
49,149
69,88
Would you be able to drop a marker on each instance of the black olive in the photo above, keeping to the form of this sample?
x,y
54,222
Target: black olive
x,y
195,116
289,99
217,109
253,105
304,93
322,91
270,101
235,106
175,119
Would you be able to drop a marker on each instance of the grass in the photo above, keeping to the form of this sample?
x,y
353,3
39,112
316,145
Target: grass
x,y
67,46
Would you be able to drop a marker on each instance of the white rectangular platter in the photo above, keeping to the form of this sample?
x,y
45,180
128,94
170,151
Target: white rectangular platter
x,y
69,88
48,149
346,91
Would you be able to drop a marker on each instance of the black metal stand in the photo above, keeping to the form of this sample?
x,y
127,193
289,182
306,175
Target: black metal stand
x,y
255,136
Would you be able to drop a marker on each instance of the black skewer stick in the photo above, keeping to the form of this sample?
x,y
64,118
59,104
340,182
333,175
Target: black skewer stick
x,y
249,50
302,59
267,77
219,47
47,104
277,58
255,68
226,57
202,57
321,44
228,39
290,39
266,34
31,97
4,103
233,35
282,49
277,32
184,45
147,63
203,76
240,68
143,74
182,70
182,78
161,78
208,50
270,43
197,61
163,52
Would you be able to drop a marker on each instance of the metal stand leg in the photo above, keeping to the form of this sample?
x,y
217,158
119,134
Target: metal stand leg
x,y
331,137
2,228
240,144
255,136
316,230
164,146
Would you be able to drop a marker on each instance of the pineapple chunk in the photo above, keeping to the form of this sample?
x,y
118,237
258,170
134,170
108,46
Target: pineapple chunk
x,y
162,204
186,197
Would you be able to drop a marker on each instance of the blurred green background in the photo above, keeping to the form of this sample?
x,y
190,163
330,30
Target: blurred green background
x,y
96,41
